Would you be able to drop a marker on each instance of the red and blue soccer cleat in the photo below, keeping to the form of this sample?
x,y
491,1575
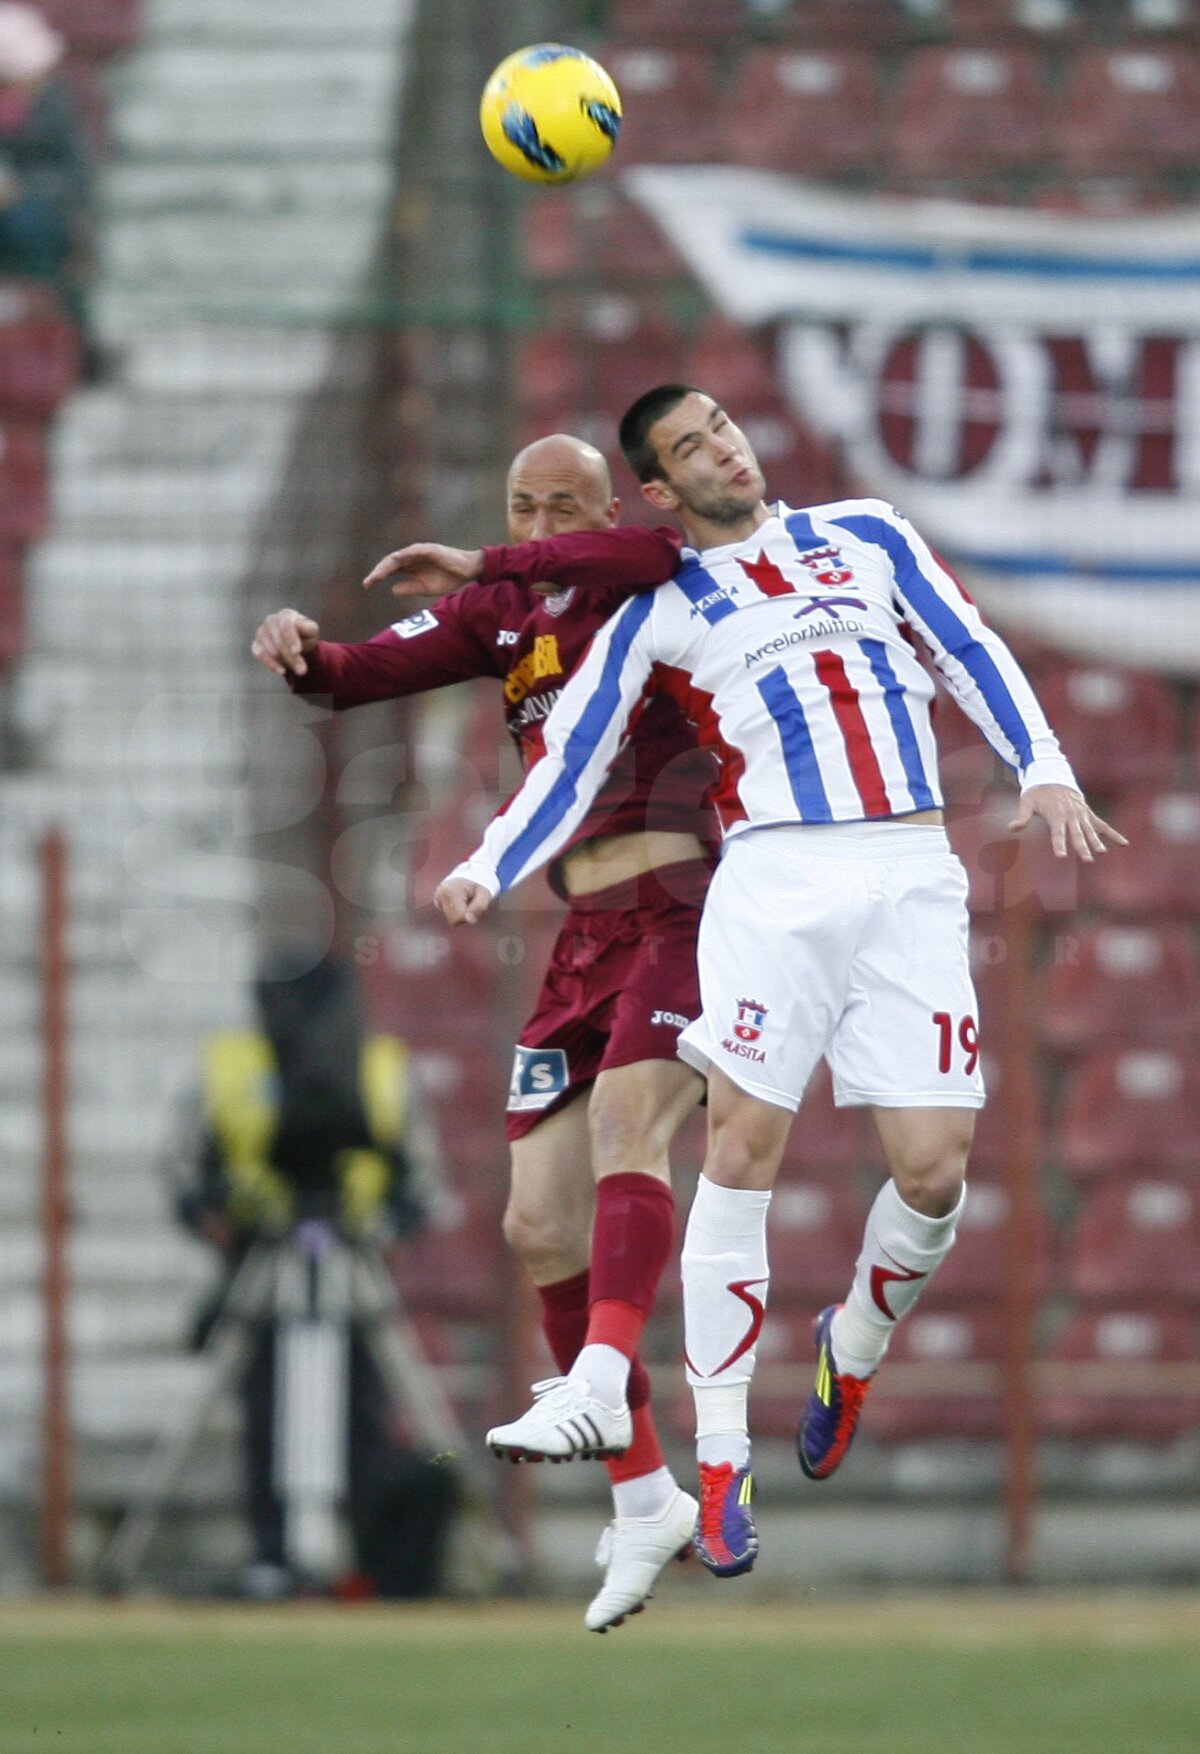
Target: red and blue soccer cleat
x,y
726,1539
830,1415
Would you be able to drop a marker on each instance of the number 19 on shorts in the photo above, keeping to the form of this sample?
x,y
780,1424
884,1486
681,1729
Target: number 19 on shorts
x,y
956,1035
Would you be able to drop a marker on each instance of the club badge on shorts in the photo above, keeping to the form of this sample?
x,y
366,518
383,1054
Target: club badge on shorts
x,y
539,1075
750,1019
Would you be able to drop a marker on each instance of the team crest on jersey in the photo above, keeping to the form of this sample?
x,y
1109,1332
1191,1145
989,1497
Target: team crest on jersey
x,y
827,566
556,601
751,1017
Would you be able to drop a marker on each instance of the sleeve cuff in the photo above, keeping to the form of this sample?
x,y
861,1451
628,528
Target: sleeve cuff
x,y
1050,770
494,558
477,870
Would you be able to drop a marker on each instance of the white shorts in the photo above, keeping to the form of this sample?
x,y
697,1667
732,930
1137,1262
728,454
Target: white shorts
x,y
847,940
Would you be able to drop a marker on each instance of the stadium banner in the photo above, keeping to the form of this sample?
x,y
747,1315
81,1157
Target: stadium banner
x,y
1024,385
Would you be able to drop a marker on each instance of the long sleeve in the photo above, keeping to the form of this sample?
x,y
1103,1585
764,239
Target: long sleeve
x,y
974,662
436,646
625,558
583,735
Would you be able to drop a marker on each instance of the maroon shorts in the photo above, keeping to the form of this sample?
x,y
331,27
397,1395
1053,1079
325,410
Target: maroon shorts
x,y
621,985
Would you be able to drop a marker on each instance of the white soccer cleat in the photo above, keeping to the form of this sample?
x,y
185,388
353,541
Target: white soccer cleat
x,y
566,1420
633,1550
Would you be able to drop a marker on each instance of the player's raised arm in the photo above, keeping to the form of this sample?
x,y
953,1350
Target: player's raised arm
x,y
988,682
630,556
583,736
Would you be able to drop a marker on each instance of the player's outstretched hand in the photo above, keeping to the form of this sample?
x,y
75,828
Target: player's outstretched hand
x,y
282,641
427,569
461,901
1074,827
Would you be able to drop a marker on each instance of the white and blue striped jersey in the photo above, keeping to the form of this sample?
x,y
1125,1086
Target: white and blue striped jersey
x,y
791,651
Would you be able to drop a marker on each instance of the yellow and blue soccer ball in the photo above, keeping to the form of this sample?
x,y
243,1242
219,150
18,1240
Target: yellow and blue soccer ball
x,y
550,114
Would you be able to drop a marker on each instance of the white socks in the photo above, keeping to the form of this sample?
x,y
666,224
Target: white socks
x,y
646,1495
900,1250
606,1372
725,1275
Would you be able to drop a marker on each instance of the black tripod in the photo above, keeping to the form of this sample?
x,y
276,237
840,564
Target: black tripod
x,y
317,1289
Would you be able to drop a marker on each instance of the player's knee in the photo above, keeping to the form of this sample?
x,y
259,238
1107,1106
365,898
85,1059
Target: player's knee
x,y
542,1238
620,1138
931,1180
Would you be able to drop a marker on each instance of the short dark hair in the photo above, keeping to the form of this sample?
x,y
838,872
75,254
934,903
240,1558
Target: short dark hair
x,y
637,420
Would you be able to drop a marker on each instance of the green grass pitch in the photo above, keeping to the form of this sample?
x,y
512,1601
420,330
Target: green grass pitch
x,y
970,1675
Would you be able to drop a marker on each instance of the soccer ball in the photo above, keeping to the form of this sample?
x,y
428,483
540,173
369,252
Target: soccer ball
x,y
550,114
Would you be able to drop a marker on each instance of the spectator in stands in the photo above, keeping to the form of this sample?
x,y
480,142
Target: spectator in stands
x,y
311,1118
45,174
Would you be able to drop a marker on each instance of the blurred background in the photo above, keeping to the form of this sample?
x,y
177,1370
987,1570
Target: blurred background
x,y
269,312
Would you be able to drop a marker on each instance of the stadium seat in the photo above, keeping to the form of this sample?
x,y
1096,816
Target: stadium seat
x,y
1050,21
1120,727
976,1269
95,27
1005,869
828,1139
430,982
1136,1237
675,22
1130,112
24,483
1131,1108
941,1378
814,1235
456,1271
1157,872
734,367
12,607
873,24
968,112
626,246
669,99
39,352
1105,982
1159,18
814,112
602,353
1119,1350
552,235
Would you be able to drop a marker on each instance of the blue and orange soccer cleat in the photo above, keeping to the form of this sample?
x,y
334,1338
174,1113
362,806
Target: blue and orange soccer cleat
x,y
726,1539
830,1415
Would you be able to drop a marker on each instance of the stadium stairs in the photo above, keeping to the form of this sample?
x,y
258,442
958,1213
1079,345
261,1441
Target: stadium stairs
x,y
240,131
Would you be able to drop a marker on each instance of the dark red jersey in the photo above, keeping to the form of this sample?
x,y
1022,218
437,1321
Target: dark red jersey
x,y
531,643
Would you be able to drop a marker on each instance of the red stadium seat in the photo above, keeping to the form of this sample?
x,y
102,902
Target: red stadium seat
x,y
1136,984
457,1271
951,1385
24,484
1131,1108
871,23
1120,727
552,236
814,1235
980,21
12,607
1159,18
1138,1237
1157,873
824,1138
815,111
675,23
1120,1350
610,351
39,351
1132,112
626,246
430,982
967,112
668,99
977,1266
95,27
734,367
1005,868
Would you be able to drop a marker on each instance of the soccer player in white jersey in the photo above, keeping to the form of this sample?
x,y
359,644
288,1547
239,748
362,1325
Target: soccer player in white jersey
x,y
836,924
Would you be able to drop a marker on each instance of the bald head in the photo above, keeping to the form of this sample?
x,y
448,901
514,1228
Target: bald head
x,y
558,484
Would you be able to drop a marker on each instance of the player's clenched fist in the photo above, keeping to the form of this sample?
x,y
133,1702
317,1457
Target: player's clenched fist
x,y
461,901
282,641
